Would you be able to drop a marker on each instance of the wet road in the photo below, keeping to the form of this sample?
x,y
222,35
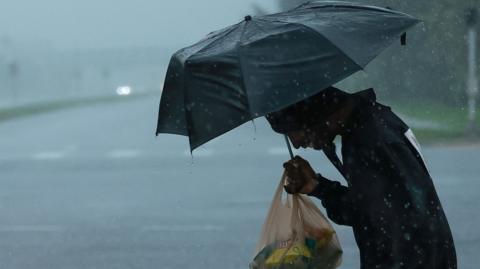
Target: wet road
x,y
93,188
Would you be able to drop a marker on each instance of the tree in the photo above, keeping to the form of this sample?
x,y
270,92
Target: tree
x,y
433,64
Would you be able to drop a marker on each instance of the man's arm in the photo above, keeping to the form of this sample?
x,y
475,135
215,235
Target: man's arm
x,y
336,200
301,178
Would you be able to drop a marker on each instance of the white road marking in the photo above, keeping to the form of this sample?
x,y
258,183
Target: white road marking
x,y
200,153
182,228
31,228
135,153
48,155
124,154
278,151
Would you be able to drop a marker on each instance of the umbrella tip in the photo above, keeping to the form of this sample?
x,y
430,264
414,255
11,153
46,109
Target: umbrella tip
x,y
248,18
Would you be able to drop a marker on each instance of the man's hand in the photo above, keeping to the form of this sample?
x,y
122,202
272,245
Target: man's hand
x,y
301,178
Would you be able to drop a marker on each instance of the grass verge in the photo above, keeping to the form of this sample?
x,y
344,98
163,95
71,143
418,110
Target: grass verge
x,y
34,109
452,122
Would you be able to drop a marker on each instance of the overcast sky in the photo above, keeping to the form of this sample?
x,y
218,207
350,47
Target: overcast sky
x,y
67,24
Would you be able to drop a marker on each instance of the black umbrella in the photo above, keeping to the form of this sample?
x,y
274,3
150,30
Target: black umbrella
x,y
266,63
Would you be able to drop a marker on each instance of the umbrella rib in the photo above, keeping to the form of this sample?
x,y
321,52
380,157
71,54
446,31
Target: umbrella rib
x,y
304,8
259,27
326,5
333,44
317,33
217,38
208,41
187,116
240,65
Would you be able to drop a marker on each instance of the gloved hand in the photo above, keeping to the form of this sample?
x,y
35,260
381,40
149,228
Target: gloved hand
x,y
301,178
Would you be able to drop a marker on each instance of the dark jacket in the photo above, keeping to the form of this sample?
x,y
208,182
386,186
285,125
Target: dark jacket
x,y
390,201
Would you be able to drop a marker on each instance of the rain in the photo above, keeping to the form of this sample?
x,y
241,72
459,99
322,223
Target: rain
x,y
88,179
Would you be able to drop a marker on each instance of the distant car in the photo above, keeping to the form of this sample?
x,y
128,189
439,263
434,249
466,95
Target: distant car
x,y
124,90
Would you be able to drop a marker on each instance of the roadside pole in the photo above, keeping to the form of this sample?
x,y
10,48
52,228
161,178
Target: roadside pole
x,y
13,71
472,81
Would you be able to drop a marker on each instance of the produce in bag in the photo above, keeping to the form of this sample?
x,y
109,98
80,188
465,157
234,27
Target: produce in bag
x,y
296,235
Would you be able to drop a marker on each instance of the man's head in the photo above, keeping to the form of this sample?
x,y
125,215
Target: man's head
x,y
315,121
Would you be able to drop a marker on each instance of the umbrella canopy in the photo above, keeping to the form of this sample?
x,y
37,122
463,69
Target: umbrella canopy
x,y
266,63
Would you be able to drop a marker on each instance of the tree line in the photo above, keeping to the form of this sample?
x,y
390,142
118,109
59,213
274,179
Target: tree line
x,y
433,65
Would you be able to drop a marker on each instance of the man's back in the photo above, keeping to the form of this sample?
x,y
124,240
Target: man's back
x,y
399,221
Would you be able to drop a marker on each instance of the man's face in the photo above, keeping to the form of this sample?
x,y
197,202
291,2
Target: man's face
x,y
316,138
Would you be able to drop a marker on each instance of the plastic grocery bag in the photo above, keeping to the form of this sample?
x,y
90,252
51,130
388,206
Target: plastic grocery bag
x,y
296,235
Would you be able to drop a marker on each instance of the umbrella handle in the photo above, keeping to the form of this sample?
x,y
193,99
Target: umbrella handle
x,y
289,147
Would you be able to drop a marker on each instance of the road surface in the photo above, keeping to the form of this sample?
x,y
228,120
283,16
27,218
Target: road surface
x,y
93,187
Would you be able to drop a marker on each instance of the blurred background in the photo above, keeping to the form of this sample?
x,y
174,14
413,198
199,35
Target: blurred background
x,y
84,183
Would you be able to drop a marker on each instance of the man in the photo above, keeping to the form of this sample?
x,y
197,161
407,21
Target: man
x,y
390,201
